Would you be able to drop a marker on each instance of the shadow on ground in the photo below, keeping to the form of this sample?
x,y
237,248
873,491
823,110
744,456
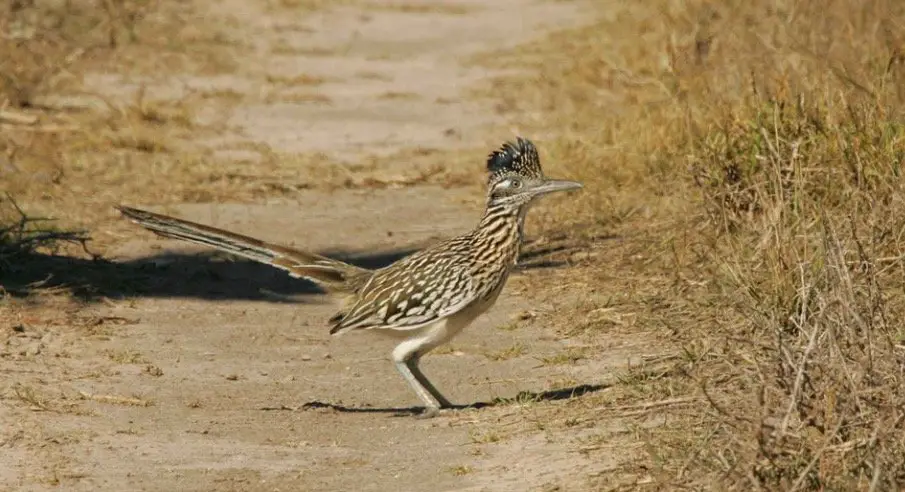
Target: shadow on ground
x,y
200,275
524,396
211,275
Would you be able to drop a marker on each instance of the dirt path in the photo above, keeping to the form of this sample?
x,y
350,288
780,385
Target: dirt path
x,y
205,386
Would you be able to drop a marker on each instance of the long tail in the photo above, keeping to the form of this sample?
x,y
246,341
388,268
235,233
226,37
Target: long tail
x,y
331,274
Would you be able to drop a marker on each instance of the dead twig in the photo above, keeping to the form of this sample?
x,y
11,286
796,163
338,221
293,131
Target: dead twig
x,y
803,362
649,405
21,237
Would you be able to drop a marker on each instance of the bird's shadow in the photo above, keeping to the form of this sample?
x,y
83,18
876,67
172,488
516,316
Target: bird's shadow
x,y
522,397
207,275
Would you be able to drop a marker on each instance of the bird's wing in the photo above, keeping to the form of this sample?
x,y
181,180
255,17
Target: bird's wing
x,y
412,293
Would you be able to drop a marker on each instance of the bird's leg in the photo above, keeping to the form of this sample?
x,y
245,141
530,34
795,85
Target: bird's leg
x,y
416,372
406,356
431,404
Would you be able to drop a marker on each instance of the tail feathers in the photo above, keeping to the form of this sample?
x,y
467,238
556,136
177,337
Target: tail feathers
x,y
330,273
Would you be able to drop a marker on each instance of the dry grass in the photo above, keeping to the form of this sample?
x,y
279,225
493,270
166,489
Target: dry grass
x,y
43,39
21,234
59,142
460,470
507,353
569,356
750,154
70,150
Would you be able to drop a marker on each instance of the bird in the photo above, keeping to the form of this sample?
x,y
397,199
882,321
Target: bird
x,y
424,299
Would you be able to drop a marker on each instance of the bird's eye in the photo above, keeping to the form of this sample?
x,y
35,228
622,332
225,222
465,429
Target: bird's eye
x,y
515,183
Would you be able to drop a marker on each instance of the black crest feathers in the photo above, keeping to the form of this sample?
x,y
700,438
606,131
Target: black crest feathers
x,y
519,157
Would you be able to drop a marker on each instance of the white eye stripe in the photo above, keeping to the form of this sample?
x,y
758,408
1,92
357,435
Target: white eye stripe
x,y
510,183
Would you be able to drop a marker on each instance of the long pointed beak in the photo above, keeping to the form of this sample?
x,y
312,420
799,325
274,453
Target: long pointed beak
x,y
554,185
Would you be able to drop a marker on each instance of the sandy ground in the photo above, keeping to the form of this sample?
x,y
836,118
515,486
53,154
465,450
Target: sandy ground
x,y
225,377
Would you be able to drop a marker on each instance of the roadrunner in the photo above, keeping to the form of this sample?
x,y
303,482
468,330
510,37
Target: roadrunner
x,y
424,299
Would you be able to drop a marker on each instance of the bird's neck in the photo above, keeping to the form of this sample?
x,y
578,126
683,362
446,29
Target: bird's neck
x,y
502,226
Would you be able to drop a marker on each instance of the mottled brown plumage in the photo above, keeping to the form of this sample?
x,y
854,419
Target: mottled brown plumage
x,y
426,298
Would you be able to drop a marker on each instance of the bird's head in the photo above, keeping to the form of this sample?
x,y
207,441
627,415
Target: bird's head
x,y
516,177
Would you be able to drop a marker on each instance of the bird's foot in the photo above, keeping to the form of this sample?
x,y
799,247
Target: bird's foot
x,y
428,413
